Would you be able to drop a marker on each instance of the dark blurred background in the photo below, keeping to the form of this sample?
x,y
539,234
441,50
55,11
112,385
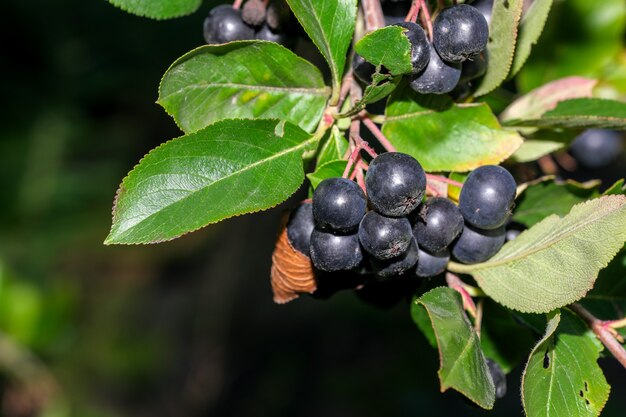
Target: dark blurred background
x,y
186,328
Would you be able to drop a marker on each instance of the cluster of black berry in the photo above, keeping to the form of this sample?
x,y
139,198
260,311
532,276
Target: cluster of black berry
x,y
254,20
399,233
455,56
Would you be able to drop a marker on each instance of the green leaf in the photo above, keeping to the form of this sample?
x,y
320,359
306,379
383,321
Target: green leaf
x,y
445,136
562,377
382,85
531,150
530,29
334,147
555,262
330,24
158,9
229,168
593,30
502,338
617,188
246,79
462,363
328,170
580,113
543,198
535,103
388,47
501,47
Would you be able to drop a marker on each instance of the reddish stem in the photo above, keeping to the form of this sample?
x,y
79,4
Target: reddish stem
x,y
425,18
346,83
354,157
455,283
360,179
237,4
439,178
603,331
378,134
373,13
411,16
430,190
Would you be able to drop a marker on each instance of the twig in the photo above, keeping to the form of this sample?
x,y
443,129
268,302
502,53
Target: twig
x,y
411,16
371,126
237,4
455,283
346,84
438,178
430,190
374,18
360,179
354,157
604,332
426,20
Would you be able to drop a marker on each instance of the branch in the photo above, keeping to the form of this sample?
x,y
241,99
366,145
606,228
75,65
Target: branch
x,y
374,18
382,139
604,332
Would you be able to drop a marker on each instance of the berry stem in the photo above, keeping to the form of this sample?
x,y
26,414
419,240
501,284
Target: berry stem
x,y
360,179
373,12
603,331
411,16
439,178
455,283
346,84
354,157
425,18
237,4
382,139
479,316
430,190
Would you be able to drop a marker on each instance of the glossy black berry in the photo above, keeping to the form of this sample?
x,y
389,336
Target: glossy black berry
x,y
460,32
498,377
474,67
597,148
476,245
265,33
487,197
485,7
439,223
362,69
300,226
385,237
430,265
395,11
338,204
438,77
335,252
420,49
395,184
398,265
224,24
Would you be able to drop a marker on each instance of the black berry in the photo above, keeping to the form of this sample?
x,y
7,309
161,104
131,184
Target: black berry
x,y
224,24
476,245
384,237
420,50
335,252
300,226
395,184
438,77
362,69
338,204
265,33
439,223
460,32
485,7
430,265
277,14
498,377
398,265
474,67
487,197
597,148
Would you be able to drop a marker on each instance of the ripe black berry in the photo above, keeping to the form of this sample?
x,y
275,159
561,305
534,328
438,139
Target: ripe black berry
x,y
487,197
300,226
398,265
439,223
438,77
485,7
460,32
224,24
335,252
597,148
474,67
362,69
278,14
267,34
385,237
430,265
395,184
476,245
339,204
420,50
498,377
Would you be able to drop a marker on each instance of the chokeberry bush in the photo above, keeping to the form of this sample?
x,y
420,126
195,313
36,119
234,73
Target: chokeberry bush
x,y
455,195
